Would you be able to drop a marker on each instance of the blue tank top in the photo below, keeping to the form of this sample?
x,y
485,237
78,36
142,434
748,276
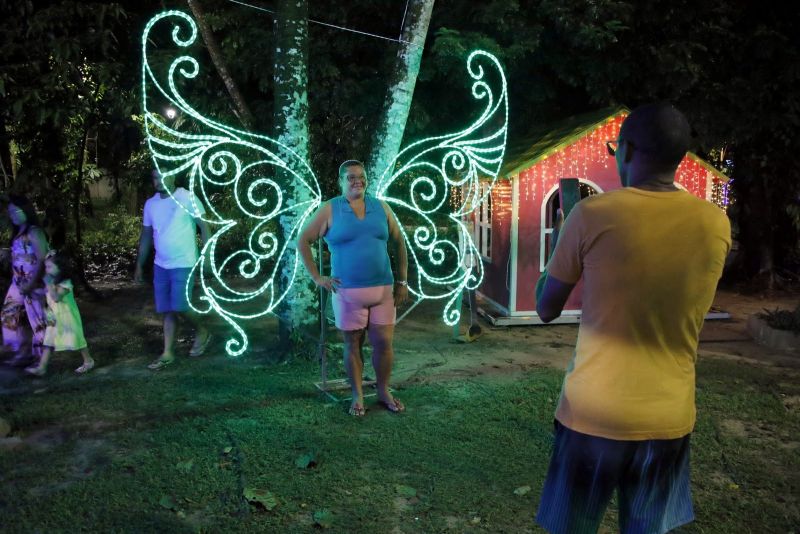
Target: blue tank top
x,y
358,246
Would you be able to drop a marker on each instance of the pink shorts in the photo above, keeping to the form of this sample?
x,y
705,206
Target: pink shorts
x,y
355,307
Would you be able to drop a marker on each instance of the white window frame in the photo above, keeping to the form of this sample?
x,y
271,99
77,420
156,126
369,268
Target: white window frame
x,y
546,230
483,222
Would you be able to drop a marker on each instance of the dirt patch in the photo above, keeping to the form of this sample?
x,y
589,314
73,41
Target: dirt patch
x,y
720,480
734,427
791,403
425,349
759,432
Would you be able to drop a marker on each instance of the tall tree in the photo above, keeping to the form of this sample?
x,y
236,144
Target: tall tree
x,y
403,77
291,128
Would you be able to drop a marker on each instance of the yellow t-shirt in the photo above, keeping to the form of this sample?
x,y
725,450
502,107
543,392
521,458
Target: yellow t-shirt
x,y
650,263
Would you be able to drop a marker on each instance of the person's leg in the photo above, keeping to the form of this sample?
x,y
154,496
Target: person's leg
x,y
351,318
655,495
41,368
584,471
170,333
381,336
181,286
88,361
35,308
16,329
202,336
474,326
161,291
354,366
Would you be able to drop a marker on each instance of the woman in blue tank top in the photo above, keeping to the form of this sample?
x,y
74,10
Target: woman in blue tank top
x,y
357,229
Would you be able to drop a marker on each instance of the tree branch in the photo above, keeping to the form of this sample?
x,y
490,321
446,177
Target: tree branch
x,y
242,111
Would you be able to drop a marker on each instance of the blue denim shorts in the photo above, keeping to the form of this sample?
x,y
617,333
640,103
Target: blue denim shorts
x,y
171,287
651,479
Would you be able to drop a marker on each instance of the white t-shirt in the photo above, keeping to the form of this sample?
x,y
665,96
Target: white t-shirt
x,y
173,228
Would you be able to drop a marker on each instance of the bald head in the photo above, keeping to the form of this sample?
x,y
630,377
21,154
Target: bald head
x,y
660,133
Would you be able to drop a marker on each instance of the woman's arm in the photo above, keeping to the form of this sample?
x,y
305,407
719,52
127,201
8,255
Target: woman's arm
x,y
40,248
399,243
315,229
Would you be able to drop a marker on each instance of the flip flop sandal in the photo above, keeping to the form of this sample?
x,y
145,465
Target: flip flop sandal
x,y
357,411
202,348
160,364
35,371
85,368
395,406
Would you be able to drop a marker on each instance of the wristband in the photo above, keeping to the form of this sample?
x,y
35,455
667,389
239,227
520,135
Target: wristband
x,y
401,282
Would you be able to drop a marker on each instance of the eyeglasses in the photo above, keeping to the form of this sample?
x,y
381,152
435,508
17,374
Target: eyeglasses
x,y
356,178
613,145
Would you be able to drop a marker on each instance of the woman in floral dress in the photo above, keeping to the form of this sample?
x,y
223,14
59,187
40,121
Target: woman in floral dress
x,y
23,313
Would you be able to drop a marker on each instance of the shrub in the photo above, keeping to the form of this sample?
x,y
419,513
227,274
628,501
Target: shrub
x,y
110,244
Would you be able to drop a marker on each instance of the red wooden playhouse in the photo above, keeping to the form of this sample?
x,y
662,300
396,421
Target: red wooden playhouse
x,y
514,225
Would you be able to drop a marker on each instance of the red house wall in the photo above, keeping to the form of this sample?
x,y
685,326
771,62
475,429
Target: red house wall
x,y
496,268
585,158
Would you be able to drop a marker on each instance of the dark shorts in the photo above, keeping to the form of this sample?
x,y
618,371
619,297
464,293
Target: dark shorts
x,y
170,286
651,478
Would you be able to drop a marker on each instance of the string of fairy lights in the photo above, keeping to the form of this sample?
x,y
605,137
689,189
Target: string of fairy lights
x,y
581,157
268,182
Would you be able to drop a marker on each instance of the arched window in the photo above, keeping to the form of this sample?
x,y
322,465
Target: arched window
x,y
550,207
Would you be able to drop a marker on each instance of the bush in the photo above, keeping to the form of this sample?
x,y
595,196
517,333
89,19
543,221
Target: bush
x,y
110,244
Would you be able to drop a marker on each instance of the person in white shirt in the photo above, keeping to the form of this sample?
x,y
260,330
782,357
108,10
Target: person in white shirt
x,y
468,260
172,229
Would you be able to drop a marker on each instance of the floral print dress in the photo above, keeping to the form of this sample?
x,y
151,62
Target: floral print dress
x,y
23,316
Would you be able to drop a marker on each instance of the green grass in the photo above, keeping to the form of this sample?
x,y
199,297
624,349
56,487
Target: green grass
x,y
135,452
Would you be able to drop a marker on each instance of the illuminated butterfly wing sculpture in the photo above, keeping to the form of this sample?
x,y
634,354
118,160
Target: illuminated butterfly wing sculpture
x,y
420,182
243,180
240,177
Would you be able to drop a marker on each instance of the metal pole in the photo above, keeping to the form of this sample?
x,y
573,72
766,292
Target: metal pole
x,y
323,322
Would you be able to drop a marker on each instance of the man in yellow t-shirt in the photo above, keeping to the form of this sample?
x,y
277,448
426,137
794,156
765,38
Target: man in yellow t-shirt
x,y
650,256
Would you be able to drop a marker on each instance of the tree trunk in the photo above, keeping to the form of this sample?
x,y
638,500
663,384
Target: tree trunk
x,y
77,188
242,110
291,128
403,77
756,221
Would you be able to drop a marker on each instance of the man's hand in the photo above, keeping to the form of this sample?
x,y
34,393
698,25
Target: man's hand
x,y
328,283
400,294
138,274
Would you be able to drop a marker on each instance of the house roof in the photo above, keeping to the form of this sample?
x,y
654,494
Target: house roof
x,y
549,138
